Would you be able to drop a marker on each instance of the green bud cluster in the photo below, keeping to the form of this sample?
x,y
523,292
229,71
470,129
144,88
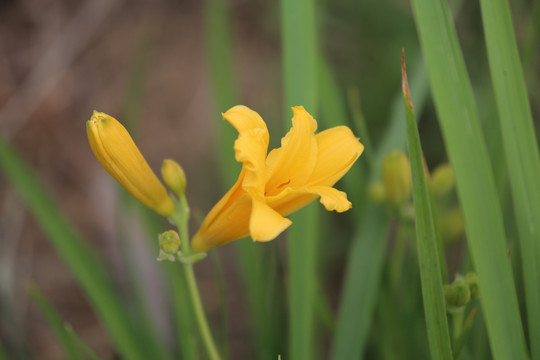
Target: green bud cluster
x,y
460,292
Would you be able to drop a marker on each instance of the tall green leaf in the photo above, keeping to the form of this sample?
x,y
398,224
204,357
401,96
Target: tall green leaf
x,y
458,116
361,285
521,149
427,240
366,256
225,95
333,112
74,347
298,34
3,354
224,87
57,324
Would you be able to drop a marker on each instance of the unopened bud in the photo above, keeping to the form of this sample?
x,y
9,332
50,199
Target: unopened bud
x,y
397,177
118,154
457,295
472,280
169,245
377,192
174,176
442,180
452,224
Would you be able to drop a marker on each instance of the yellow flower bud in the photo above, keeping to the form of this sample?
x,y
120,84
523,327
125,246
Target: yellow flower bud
x,y
377,192
174,176
442,180
118,154
397,177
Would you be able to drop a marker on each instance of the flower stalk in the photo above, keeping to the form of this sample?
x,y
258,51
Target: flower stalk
x,y
119,155
181,219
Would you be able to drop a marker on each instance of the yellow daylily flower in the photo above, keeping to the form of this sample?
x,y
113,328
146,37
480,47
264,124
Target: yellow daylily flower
x,y
118,154
305,167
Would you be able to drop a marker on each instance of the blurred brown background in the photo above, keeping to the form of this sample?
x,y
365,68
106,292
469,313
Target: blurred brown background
x,y
61,59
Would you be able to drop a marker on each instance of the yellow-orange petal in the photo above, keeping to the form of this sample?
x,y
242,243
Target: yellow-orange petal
x,y
245,119
230,218
250,147
291,165
332,199
265,223
238,215
118,154
228,221
291,200
338,150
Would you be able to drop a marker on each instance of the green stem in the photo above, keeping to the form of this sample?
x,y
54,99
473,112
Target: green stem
x,y
181,220
199,313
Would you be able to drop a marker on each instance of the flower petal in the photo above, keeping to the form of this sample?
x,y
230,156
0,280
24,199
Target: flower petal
x,y
332,199
250,147
292,164
230,218
227,221
338,150
290,200
265,223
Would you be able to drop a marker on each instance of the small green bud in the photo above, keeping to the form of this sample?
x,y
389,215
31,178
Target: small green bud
x,y
472,280
169,245
377,192
457,295
397,177
442,180
173,175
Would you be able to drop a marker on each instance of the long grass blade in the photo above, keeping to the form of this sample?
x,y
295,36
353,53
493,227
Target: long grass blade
x,y
225,94
366,256
333,112
57,324
81,261
3,354
521,149
90,354
361,286
427,240
298,34
458,117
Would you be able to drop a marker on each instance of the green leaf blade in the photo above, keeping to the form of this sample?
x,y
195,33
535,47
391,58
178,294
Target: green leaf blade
x,y
521,150
56,323
427,241
225,94
300,82
458,117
